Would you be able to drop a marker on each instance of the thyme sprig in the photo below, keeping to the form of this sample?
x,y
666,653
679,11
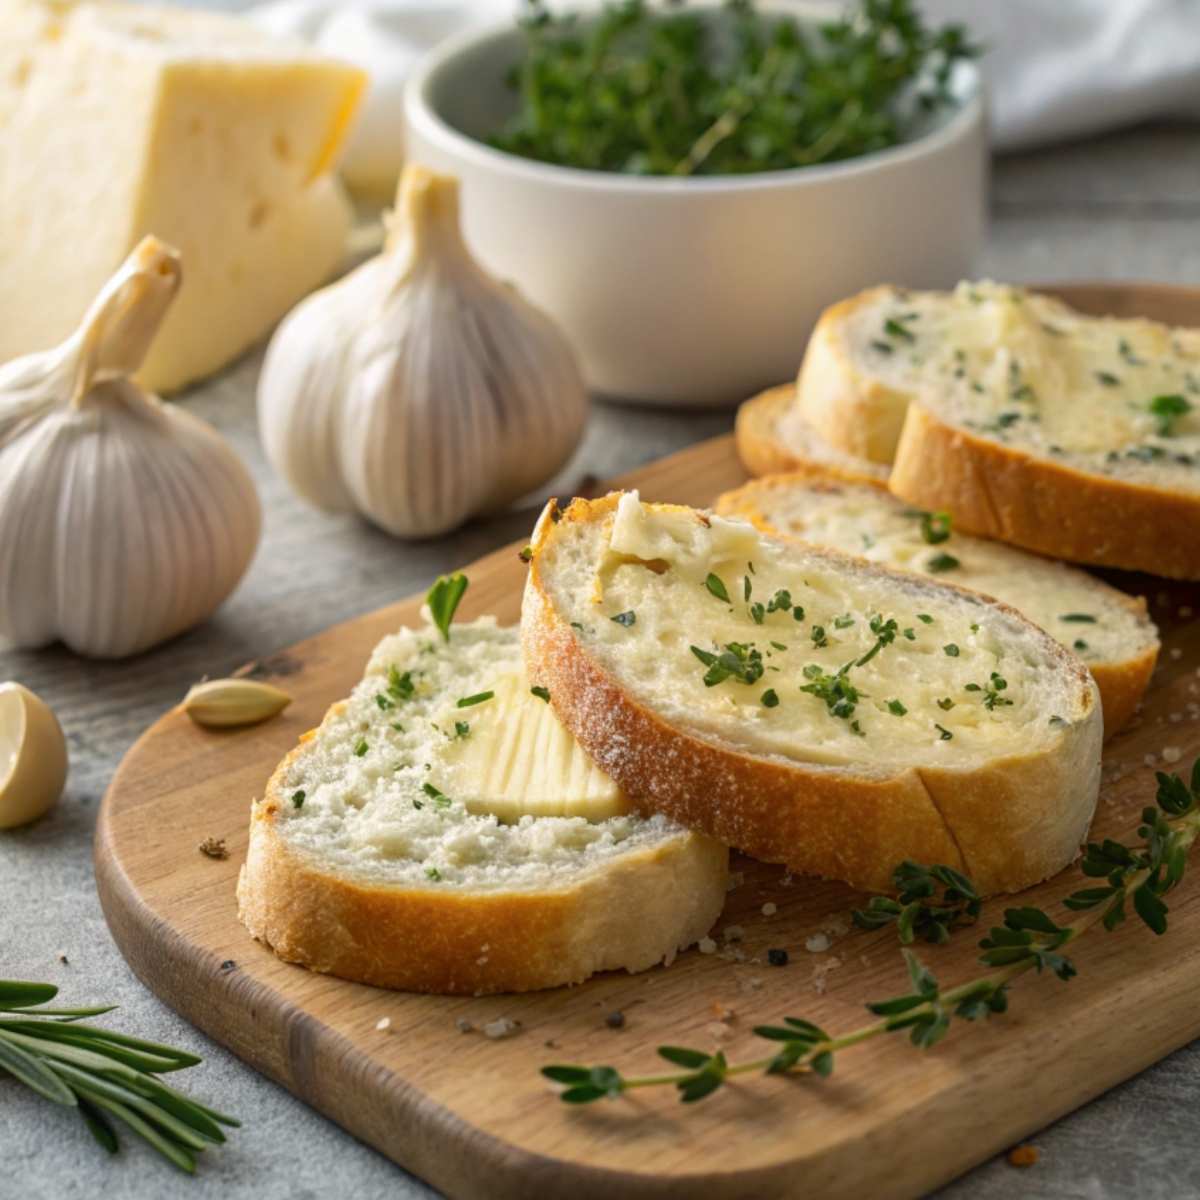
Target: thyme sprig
x,y
105,1075
1029,939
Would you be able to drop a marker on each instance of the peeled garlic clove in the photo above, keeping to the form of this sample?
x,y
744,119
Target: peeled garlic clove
x,y
222,703
33,756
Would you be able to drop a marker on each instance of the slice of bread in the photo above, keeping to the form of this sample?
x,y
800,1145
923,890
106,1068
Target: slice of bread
x,y
773,435
372,854
1108,629
1074,436
808,707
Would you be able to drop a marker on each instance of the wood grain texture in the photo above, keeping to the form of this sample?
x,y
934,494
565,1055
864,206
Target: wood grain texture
x,y
473,1116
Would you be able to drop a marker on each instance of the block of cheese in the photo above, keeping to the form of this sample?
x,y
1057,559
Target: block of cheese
x,y
118,120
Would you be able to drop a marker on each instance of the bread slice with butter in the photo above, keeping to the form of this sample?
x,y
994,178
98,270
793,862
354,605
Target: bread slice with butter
x,y
773,435
442,832
119,120
1109,630
808,707
1075,436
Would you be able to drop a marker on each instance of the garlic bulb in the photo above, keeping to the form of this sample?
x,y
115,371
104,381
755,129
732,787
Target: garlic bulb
x,y
33,756
123,521
418,390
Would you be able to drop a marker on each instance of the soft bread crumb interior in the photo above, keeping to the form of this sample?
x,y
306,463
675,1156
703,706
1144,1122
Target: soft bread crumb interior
x,y
385,790
958,681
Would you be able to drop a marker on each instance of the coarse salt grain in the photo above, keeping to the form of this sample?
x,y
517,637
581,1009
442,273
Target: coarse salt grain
x,y
706,945
383,1024
769,909
502,1027
818,943
1171,754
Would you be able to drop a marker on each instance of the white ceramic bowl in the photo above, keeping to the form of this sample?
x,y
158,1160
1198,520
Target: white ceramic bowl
x,y
695,291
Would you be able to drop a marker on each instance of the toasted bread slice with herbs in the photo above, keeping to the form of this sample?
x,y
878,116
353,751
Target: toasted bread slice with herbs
x,y
1109,630
773,435
808,707
376,852
1075,436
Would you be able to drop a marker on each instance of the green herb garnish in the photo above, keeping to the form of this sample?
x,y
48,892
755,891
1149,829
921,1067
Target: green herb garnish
x,y
1079,618
439,798
298,797
668,91
1108,379
433,873
716,586
1168,409
462,729
925,618
470,701
942,562
935,527
770,699
443,599
400,687
838,693
360,747
105,1076
951,649
944,735
541,693
625,618
896,708
818,636
738,661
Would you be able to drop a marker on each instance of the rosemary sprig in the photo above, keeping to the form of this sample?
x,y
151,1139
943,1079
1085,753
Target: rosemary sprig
x,y
1028,940
103,1074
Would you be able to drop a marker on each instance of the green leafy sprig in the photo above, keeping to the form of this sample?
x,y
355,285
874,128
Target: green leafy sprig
x,y
443,599
108,1077
661,90
1028,940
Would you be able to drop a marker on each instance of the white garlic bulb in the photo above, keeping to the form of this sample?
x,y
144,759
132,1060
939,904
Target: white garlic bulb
x,y
418,390
123,521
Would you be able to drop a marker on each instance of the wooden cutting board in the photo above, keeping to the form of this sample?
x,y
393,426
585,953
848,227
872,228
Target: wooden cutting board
x,y
474,1117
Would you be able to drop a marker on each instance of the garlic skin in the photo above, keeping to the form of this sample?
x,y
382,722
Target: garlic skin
x,y
33,756
123,521
418,390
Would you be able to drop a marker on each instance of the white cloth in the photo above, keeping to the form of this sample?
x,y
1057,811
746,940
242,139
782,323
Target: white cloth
x,y
1056,69
1061,69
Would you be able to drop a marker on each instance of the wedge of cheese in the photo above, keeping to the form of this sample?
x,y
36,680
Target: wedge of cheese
x,y
118,120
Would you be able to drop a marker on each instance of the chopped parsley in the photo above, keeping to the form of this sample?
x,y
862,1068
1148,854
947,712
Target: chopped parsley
x,y
843,622
541,693
896,708
716,587
298,798
781,601
1108,379
384,702
747,587
881,347
818,636
433,873
1079,618
944,735
439,798
470,701
951,649
625,618
885,635
925,618
1168,409
443,599
758,612
770,698
736,660
1125,350
945,704
400,687
360,747
462,729
1080,644
942,562
894,327
526,554
838,693
935,527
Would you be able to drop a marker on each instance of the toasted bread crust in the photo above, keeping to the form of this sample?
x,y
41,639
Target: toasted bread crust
x,y
1009,823
764,450
1122,684
1002,492
630,913
853,412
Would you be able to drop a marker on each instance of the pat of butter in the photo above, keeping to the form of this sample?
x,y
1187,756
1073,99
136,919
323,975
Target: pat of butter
x,y
683,539
516,759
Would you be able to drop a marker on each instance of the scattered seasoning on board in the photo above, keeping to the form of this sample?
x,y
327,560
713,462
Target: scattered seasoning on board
x,y
1023,1156
615,1020
213,847
777,958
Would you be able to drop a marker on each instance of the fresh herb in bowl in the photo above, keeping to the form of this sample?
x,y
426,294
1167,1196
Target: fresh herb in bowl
x,y
669,91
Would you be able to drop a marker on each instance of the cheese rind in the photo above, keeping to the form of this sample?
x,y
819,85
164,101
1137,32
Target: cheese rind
x,y
121,120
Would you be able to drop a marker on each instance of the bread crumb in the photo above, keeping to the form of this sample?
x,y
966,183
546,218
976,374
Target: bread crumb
x,y
723,1011
733,933
752,984
62,958
1023,1156
717,1031
383,1024
1171,754
213,847
769,909
818,943
706,945
464,1026
501,1027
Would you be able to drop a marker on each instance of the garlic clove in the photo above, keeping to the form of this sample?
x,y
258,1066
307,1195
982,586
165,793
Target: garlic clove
x,y
226,703
33,756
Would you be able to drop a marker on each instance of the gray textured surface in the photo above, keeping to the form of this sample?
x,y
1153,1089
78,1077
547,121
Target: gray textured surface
x,y
1124,207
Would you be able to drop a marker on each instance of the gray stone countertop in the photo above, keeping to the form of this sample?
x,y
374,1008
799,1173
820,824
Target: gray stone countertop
x,y
1123,207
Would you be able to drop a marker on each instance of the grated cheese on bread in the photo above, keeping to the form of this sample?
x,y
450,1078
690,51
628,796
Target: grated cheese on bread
x,y
1109,630
808,707
374,856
